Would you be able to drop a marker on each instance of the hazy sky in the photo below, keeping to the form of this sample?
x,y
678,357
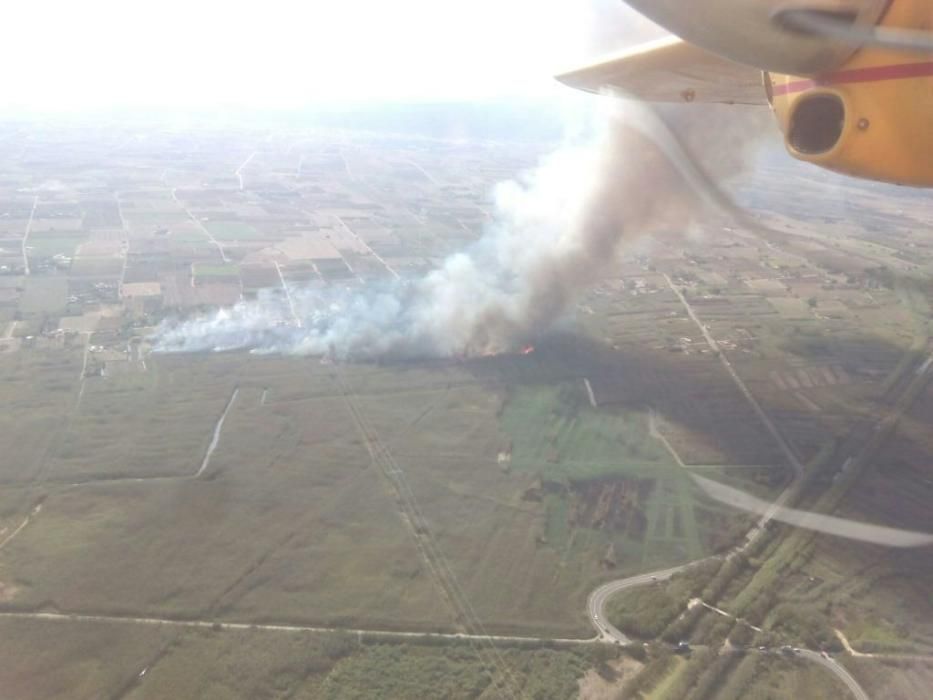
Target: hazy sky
x,y
79,54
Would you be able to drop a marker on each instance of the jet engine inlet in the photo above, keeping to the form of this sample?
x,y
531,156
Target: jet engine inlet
x,y
816,124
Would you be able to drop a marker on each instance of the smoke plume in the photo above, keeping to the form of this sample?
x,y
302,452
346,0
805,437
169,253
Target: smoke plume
x,y
557,229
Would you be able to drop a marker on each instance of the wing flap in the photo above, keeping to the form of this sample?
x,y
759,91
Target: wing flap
x,y
671,70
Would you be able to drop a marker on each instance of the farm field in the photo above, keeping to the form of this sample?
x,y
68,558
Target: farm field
x,y
897,680
232,230
250,521
262,531
150,661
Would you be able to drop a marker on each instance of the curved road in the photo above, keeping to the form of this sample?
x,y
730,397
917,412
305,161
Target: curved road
x,y
607,632
596,603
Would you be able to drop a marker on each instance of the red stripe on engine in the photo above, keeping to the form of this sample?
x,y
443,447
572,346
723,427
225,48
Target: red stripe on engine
x,y
859,75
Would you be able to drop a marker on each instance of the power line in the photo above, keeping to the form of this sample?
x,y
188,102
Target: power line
x,y
428,546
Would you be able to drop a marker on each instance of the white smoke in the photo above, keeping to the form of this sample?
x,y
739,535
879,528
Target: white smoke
x,y
557,229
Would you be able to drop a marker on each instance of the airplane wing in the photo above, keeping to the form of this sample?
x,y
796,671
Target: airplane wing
x,y
671,70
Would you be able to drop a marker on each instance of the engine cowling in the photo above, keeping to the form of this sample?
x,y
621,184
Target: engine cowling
x,y
871,118
747,31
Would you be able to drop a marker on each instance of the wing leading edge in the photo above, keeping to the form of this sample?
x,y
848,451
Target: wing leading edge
x,y
671,70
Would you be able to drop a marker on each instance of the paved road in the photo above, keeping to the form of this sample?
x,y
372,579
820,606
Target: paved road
x,y
607,632
32,215
215,624
596,603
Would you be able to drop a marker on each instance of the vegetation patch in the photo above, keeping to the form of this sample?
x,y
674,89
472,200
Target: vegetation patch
x,y
647,610
232,230
405,671
217,270
556,434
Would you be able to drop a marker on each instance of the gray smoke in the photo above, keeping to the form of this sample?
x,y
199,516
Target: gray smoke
x,y
558,229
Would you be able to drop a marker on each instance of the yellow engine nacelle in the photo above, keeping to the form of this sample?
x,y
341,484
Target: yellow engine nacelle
x,y
871,118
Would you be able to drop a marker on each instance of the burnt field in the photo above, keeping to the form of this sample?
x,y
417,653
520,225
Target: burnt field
x,y
613,505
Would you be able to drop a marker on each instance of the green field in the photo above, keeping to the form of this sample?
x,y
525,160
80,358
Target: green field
x,y
291,521
40,388
313,542
184,235
216,270
55,243
44,295
255,538
659,691
556,435
892,679
96,267
232,230
49,661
